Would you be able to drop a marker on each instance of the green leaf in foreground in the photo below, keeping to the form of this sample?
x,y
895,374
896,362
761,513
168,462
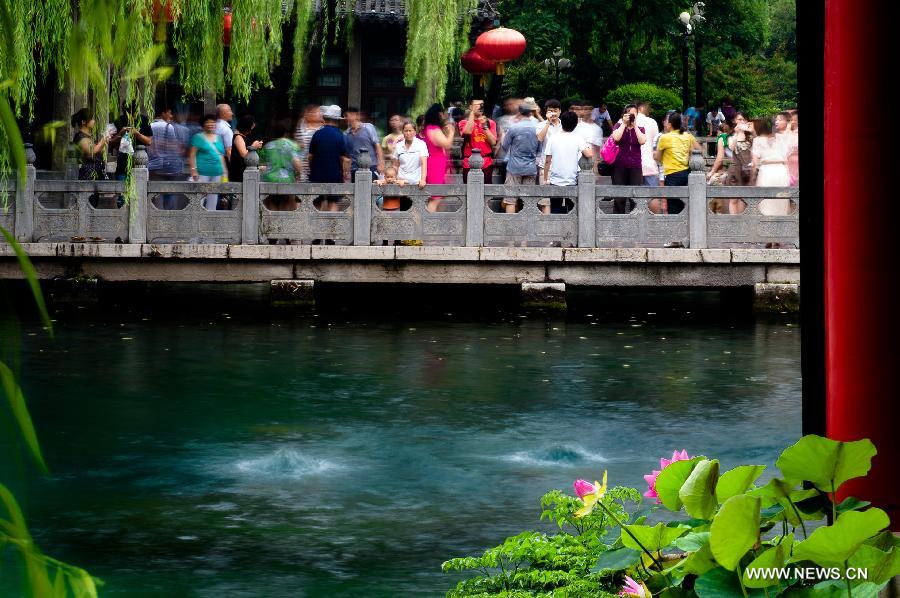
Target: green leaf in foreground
x,y
880,566
721,583
19,409
773,558
735,530
832,545
698,493
653,538
693,541
737,481
825,462
670,481
616,560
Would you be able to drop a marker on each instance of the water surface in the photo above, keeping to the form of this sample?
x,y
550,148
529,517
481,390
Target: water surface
x,y
233,453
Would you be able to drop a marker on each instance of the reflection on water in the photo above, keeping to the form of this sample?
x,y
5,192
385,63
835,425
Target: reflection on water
x,y
221,456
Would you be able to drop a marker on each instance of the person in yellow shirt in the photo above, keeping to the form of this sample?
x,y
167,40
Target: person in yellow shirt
x,y
674,152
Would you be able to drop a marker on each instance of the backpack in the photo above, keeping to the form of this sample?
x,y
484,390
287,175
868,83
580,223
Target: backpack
x,y
610,150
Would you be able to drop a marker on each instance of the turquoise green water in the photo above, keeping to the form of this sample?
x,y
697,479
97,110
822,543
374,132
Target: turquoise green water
x,y
220,455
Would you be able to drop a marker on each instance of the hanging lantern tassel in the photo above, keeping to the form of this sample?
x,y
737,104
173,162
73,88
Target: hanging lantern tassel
x,y
501,69
226,29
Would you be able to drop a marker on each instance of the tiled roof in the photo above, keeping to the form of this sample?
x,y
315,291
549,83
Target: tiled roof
x,y
395,10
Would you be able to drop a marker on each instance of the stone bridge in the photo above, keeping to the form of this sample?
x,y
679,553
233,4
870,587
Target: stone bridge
x,y
115,231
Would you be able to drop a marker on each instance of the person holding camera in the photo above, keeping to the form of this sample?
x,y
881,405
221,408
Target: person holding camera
x,y
627,169
478,131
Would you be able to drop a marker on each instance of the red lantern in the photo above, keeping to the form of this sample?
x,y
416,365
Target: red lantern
x,y
474,63
226,29
500,45
158,15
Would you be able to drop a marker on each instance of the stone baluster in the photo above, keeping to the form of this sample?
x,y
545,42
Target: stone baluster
x,y
137,206
250,205
362,199
475,200
71,173
698,208
25,199
587,204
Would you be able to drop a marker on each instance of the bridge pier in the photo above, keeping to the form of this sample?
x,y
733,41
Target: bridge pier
x,y
544,296
776,297
292,293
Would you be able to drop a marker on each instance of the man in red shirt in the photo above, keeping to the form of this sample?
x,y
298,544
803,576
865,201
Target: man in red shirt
x,y
478,131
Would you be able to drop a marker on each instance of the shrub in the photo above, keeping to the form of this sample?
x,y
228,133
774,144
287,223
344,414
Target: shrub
x,y
660,98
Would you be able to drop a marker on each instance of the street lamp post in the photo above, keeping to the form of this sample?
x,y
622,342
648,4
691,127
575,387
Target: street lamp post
x,y
689,21
556,63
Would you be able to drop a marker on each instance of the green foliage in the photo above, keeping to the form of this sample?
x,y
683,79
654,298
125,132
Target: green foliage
x,y
698,493
565,564
660,99
729,534
437,33
783,20
737,481
654,539
735,529
43,575
825,462
756,85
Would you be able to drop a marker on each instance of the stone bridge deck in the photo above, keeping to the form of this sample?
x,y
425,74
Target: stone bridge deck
x,y
598,267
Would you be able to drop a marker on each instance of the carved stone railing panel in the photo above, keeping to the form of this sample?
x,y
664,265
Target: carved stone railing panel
x,y
641,227
770,215
446,226
194,223
81,214
307,222
8,205
529,227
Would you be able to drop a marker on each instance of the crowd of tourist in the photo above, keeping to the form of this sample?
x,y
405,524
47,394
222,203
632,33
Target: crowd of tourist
x,y
522,142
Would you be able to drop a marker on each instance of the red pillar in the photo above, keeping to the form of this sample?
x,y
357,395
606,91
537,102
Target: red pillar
x,y
862,240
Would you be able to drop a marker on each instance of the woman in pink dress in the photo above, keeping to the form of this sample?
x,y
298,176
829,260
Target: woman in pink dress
x,y
438,139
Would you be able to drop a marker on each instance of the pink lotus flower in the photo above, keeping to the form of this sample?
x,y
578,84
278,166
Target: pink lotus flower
x,y
651,477
634,589
583,487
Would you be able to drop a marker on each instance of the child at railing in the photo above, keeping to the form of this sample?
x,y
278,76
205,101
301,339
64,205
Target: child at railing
x,y
389,204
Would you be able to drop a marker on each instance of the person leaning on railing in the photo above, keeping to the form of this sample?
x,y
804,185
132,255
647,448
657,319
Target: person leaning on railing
x,y
718,172
674,152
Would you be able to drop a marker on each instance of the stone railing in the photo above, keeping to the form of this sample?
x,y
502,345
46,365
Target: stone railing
x,y
592,213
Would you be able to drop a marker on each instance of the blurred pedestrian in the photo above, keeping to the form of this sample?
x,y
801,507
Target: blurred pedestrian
x,y
241,146
224,115
362,136
207,158
307,125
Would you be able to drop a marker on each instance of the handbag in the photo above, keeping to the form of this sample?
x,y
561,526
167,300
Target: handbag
x,y
610,150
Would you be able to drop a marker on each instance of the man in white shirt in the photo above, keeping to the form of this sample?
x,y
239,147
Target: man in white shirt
x,y
600,115
589,130
547,129
561,158
224,114
651,130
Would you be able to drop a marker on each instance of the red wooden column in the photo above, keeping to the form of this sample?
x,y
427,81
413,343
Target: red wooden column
x,y
862,239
